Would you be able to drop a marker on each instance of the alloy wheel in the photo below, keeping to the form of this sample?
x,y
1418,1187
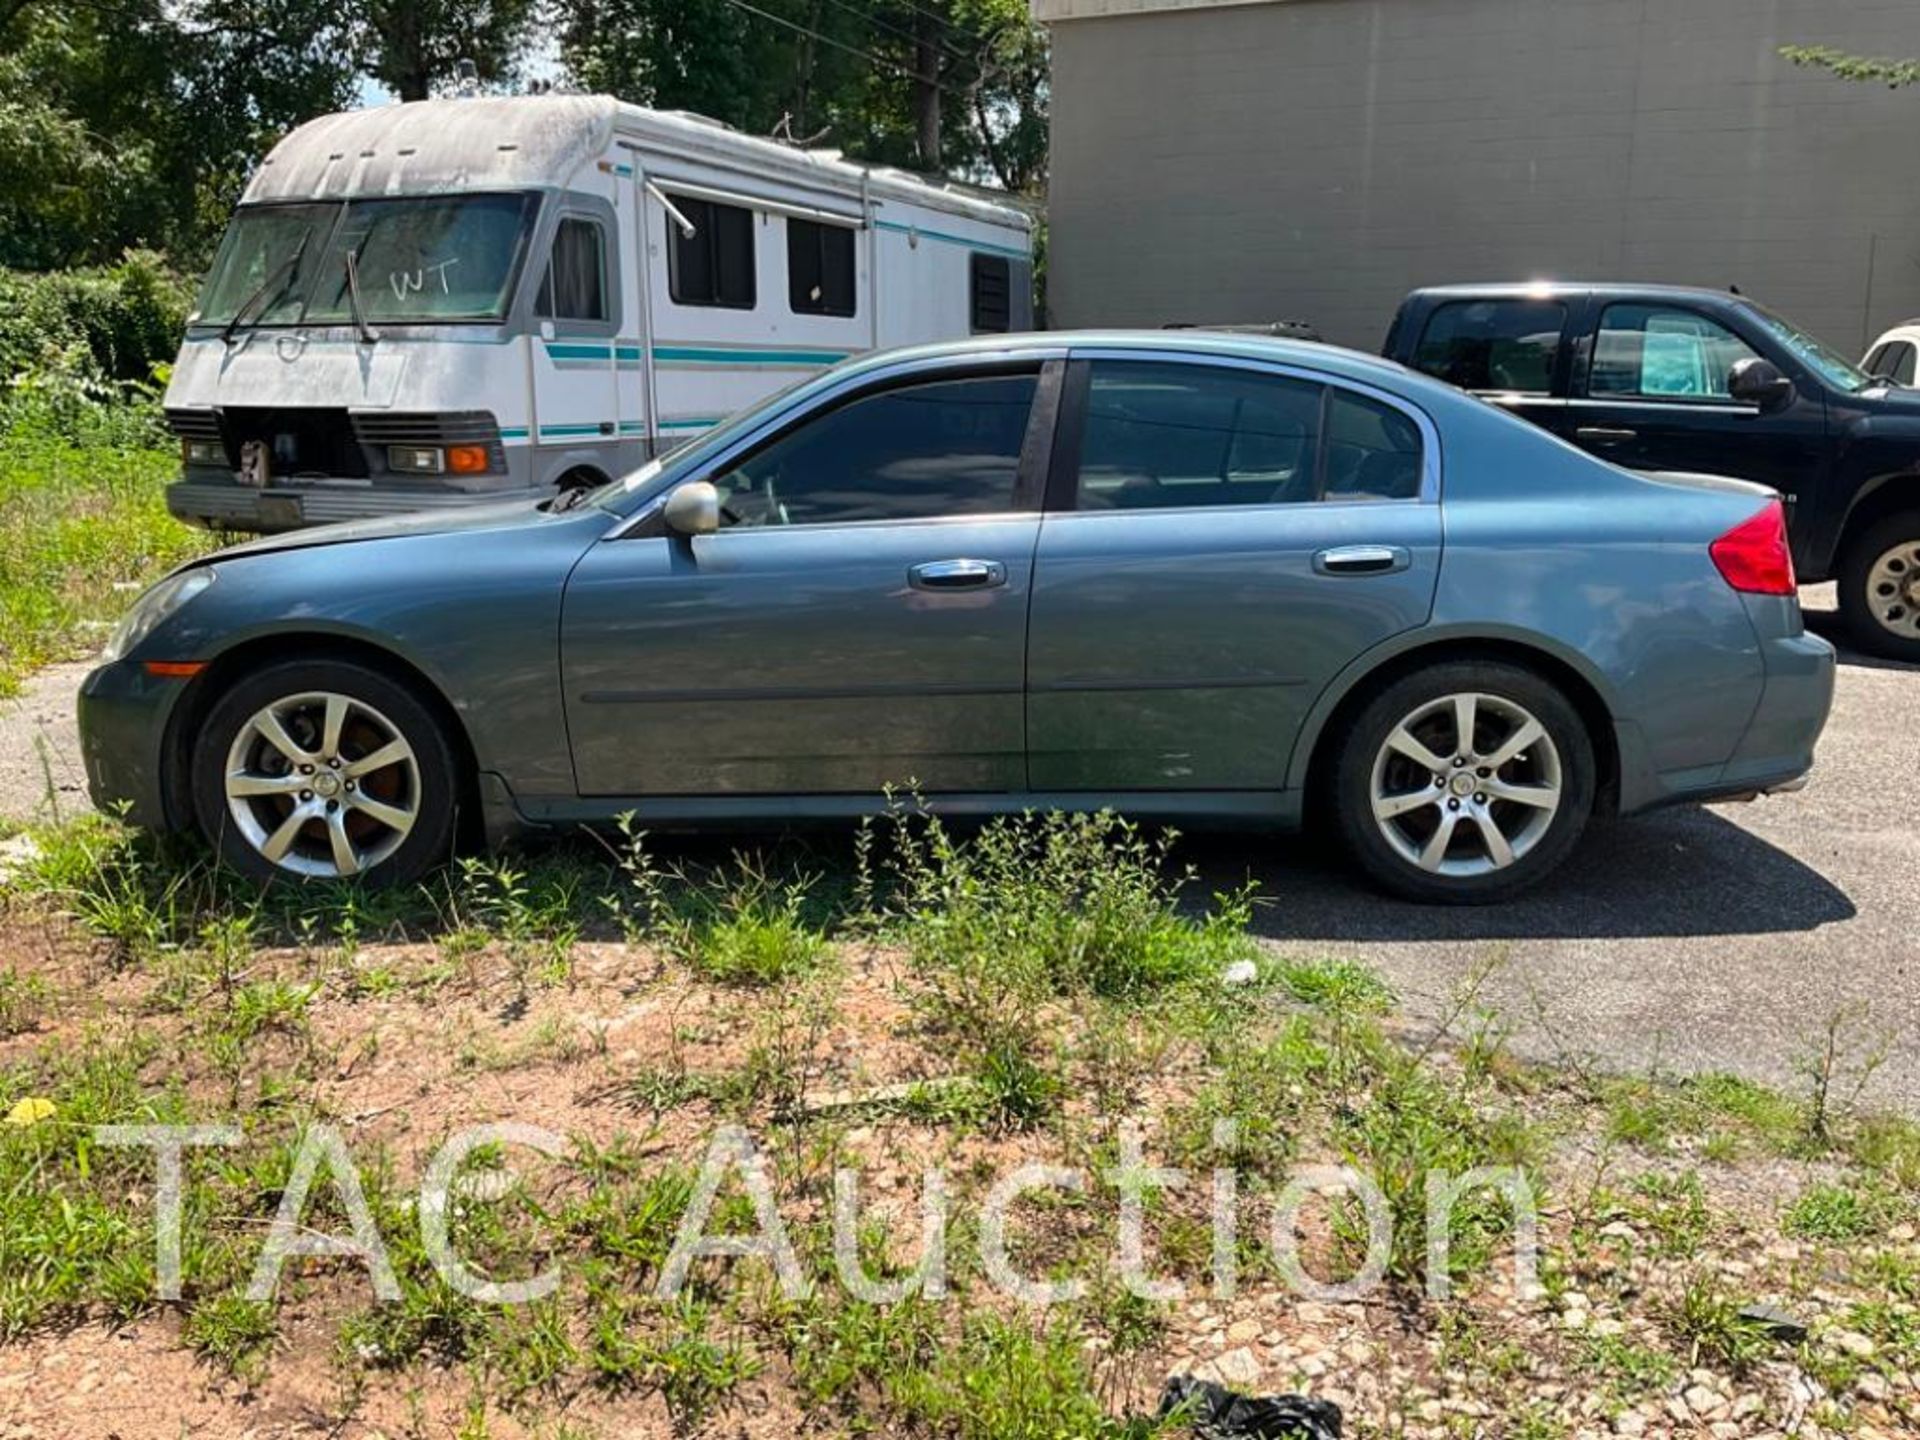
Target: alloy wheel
x,y
1893,590
1466,784
322,785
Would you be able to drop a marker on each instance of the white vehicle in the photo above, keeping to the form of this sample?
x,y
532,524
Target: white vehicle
x,y
1893,354
456,301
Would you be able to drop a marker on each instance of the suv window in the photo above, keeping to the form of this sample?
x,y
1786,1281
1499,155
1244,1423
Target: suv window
x,y
714,265
575,286
1892,361
1659,352
819,268
1506,345
918,452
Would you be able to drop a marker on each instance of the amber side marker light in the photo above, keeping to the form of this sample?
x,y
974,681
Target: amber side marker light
x,y
466,459
173,669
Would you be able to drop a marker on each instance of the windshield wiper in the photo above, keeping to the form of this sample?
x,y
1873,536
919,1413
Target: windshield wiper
x,y
276,278
365,331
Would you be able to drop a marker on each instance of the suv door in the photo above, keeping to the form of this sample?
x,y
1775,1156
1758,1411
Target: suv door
x,y
1650,393
1221,539
1511,350
858,621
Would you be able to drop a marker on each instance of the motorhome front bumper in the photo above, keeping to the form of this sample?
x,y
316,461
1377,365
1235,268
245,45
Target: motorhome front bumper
x,y
216,506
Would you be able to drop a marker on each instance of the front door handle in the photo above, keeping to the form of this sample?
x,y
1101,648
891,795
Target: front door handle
x,y
1604,434
957,575
1362,560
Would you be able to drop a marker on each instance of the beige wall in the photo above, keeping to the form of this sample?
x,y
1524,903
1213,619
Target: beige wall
x,y
1315,159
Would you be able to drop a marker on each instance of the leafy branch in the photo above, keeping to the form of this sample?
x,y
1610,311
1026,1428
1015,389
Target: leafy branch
x,y
1894,74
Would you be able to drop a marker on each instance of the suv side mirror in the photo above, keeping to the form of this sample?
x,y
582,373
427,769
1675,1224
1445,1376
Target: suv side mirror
x,y
693,509
1759,382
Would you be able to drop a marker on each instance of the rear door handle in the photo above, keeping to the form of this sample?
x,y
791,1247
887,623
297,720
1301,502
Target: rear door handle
x,y
1604,434
1362,560
957,575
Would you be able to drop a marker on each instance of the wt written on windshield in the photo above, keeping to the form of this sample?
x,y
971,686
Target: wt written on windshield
x,y
410,282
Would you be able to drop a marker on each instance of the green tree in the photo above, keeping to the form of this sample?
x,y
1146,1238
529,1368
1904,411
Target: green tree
x,y
953,86
411,45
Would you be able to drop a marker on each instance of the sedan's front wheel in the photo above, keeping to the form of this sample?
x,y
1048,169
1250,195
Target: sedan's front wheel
x,y
1464,782
324,770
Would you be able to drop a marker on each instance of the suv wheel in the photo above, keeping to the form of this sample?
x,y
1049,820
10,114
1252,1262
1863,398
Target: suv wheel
x,y
1880,588
324,770
1464,782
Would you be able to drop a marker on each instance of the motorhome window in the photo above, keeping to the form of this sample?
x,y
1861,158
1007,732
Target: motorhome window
x,y
424,259
714,265
819,268
992,288
575,285
280,244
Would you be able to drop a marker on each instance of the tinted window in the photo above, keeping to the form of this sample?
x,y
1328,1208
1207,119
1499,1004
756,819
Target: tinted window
x,y
1505,345
1658,352
1372,452
819,268
1165,435
575,284
951,447
1903,368
991,281
714,265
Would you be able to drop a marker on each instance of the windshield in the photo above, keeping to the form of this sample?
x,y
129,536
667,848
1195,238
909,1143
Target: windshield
x,y
618,494
1832,366
421,259
277,243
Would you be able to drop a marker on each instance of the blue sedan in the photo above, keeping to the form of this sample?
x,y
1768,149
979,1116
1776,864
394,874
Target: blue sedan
x,y
1176,574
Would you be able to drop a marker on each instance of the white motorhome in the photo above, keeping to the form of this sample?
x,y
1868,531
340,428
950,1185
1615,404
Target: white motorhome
x,y
455,301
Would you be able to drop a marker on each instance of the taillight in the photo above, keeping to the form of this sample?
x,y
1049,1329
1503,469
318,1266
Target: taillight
x,y
1753,556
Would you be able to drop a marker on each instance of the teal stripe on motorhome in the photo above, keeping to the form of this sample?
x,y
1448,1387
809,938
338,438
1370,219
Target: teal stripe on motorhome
x,y
575,350
690,355
546,430
688,422
513,432
945,238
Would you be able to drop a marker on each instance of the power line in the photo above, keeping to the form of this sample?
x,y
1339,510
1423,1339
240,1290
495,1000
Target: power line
x,y
903,32
866,55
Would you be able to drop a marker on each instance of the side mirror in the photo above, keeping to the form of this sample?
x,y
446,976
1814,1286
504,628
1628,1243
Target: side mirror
x,y
693,509
1758,382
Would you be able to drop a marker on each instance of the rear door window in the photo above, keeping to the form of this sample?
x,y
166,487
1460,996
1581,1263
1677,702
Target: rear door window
x,y
1502,345
1662,352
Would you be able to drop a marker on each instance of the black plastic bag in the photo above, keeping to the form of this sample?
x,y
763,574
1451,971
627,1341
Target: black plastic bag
x,y
1218,1413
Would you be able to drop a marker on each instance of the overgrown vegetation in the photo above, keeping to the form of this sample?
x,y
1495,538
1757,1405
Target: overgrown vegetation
x,y
84,460
967,1001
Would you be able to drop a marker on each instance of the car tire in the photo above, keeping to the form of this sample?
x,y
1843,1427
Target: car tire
x,y
1880,588
1401,777
363,761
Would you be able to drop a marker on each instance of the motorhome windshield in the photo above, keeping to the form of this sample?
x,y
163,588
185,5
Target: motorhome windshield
x,y
421,260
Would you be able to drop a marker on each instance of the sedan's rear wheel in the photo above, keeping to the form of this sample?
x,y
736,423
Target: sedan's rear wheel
x,y
1464,782
324,770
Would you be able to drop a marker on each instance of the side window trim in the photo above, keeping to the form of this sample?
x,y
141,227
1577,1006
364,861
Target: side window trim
x,y
1064,464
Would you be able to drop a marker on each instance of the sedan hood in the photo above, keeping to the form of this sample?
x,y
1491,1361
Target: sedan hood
x,y
501,515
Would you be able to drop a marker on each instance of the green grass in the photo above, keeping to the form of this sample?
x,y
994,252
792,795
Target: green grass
x,y
82,527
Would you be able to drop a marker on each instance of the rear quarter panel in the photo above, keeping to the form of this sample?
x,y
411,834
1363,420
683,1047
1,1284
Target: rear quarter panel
x,y
1610,573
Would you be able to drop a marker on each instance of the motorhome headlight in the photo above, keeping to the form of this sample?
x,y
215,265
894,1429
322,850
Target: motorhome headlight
x,y
203,452
416,459
156,605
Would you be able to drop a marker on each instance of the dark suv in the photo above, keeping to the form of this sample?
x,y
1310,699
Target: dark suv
x,y
1657,377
